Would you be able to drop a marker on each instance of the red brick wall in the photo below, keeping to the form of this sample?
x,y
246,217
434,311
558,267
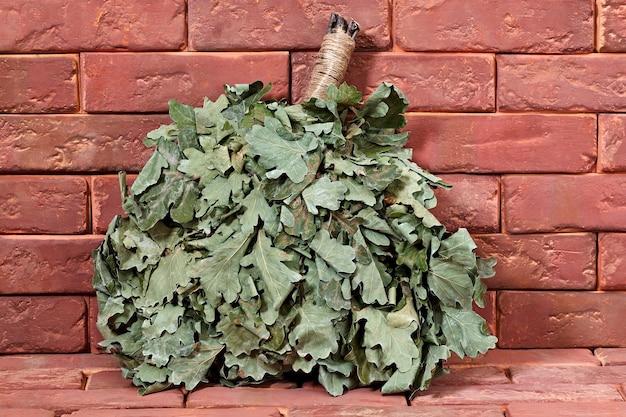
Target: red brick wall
x,y
520,105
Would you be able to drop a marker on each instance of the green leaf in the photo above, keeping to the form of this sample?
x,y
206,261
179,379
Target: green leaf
x,y
358,192
253,367
191,370
324,193
402,381
344,94
466,332
159,350
340,257
450,282
459,248
369,279
257,208
280,150
170,274
278,279
313,333
182,114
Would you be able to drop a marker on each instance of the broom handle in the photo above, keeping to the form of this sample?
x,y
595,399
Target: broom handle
x,y
333,57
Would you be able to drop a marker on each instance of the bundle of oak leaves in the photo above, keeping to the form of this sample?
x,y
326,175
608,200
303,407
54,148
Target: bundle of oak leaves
x,y
265,240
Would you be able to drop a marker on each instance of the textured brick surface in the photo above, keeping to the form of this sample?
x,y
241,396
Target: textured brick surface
x,y
51,378
561,319
32,25
66,401
611,271
265,25
94,334
43,204
424,411
42,324
611,32
497,143
568,375
25,412
106,200
46,264
593,82
38,83
432,82
75,143
107,380
504,394
472,203
86,362
611,356
532,26
182,412
509,357
489,312
127,82
576,409
548,203
541,261
215,397
487,375
612,142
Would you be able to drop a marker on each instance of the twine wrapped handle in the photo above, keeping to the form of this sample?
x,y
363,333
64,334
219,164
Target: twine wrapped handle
x,y
333,57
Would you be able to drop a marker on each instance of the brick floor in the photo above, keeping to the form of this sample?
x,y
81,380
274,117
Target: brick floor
x,y
502,383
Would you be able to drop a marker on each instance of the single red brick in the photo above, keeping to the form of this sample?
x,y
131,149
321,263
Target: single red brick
x,y
432,82
611,22
38,83
221,397
280,24
549,203
509,393
495,25
594,82
496,143
612,142
43,204
573,409
472,203
25,412
184,412
32,25
537,357
85,362
43,324
107,380
568,374
106,200
564,261
128,82
611,249
66,401
611,356
46,264
51,378
486,375
424,411
75,143
561,319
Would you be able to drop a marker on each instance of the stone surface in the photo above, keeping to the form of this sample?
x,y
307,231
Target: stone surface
x,y
66,401
127,82
594,82
612,142
543,319
472,203
505,394
75,143
91,25
495,25
38,83
541,261
611,356
43,324
424,411
432,82
106,200
550,203
497,143
282,24
611,21
43,204
214,397
568,375
51,378
46,264
576,409
537,357
611,271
